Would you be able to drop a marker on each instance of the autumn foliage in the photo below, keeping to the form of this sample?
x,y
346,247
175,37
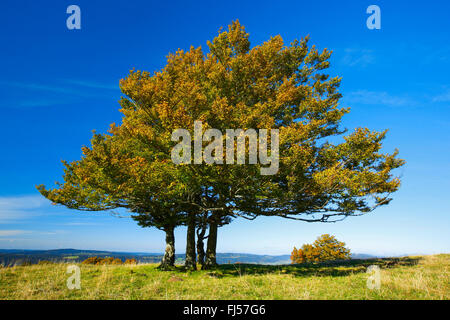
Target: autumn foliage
x,y
130,261
325,248
98,261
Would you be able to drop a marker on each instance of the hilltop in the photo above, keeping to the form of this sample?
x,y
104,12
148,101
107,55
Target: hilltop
x,y
418,277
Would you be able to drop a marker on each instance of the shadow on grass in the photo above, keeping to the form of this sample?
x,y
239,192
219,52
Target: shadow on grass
x,y
332,268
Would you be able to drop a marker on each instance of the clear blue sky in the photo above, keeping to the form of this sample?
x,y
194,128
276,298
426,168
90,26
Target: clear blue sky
x,y
57,85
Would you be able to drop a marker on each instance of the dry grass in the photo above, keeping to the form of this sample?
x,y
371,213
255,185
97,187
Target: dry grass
x,y
425,277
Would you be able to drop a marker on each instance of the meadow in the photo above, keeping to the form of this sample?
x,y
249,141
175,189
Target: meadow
x,y
418,277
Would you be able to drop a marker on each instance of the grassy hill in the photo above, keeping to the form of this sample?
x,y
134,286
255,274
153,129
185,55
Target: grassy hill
x,y
421,277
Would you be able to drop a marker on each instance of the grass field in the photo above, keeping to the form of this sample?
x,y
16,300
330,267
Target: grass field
x,y
424,277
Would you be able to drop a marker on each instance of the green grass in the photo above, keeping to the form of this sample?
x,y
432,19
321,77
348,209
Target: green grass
x,y
424,277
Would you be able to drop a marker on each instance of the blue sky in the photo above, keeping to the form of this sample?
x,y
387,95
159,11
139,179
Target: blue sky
x,y
57,85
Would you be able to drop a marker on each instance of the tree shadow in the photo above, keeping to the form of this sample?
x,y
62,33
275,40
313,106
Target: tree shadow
x,y
323,269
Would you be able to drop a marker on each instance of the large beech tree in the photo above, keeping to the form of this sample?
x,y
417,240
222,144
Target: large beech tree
x,y
324,174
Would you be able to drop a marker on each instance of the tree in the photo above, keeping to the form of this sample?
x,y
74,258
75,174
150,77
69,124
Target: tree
x,y
325,248
323,175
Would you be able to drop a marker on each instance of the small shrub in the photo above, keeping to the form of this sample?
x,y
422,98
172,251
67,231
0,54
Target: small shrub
x,y
108,260
99,261
92,260
130,261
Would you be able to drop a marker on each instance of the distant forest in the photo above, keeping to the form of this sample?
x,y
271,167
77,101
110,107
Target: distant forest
x,y
20,257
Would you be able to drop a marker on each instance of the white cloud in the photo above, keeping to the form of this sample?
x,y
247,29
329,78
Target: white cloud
x,y
355,57
51,94
8,233
93,85
21,207
378,97
444,97
80,224
23,202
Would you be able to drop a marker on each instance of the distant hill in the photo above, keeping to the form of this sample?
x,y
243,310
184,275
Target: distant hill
x,y
17,256
364,256
252,258
10,257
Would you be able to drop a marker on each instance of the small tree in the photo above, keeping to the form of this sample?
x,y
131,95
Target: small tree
x,y
325,248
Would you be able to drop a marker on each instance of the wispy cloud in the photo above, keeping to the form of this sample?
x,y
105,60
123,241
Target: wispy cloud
x,y
27,234
21,207
93,85
378,98
435,55
32,94
39,87
43,102
9,233
76,224
356,57
443,97
68,86
23,202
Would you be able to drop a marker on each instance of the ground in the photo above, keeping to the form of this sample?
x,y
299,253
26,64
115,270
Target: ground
x,y
421,277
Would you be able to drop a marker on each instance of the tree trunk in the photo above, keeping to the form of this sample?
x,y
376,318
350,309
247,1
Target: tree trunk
x,y
190,262
211,247
200,245
168,259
